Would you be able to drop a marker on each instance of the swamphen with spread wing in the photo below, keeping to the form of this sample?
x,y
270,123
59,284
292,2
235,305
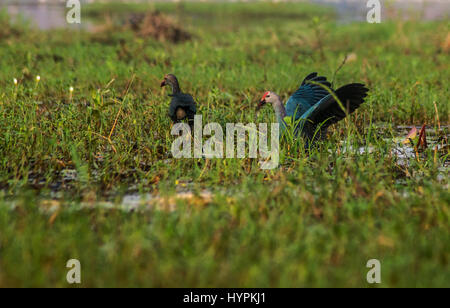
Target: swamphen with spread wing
x,y
313,107
182,105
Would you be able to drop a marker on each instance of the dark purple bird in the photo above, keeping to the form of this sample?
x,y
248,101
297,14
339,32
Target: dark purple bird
x,y
182,106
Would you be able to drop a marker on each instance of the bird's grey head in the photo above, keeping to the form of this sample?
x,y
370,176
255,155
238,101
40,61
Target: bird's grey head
x,y
170,80
268,98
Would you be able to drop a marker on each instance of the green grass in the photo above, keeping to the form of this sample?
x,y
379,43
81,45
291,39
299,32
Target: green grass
x,y
315,221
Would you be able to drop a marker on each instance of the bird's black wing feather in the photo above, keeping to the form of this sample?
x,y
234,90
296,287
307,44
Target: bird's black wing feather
x,y
328,111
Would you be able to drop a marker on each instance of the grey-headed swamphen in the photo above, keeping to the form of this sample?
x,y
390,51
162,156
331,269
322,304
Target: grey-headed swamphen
x,y
182,105
312,108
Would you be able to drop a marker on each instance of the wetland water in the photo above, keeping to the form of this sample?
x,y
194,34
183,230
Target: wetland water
x,y
47,14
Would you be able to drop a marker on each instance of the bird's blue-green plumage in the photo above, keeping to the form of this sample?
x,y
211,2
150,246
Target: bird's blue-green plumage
x,y
314,105
307,96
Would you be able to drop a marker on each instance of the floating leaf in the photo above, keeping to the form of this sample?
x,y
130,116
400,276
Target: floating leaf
x,y
411,135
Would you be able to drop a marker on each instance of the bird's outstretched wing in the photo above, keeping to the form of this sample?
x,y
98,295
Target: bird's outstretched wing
x,y
328,111
307,95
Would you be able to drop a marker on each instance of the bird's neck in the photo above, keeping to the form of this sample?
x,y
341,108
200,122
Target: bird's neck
x,y
175,87
279,109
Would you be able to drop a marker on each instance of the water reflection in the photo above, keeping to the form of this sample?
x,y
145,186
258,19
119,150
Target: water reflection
x,y
44,16
50,14
356,10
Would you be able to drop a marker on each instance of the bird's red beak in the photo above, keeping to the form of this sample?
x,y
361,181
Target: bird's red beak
x,y
261,104
163,83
